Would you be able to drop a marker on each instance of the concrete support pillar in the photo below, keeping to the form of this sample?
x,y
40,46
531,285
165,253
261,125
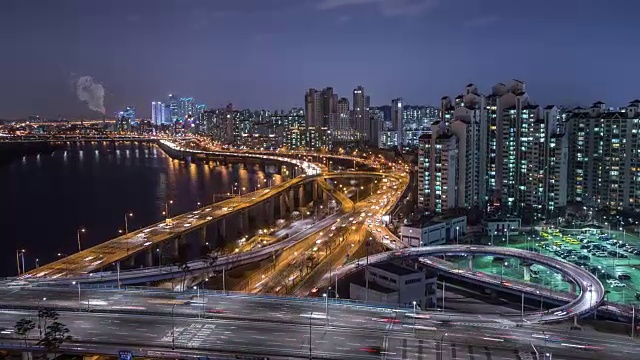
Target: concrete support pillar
x,y
325,196
222,227
203,235
149,257
27,355
283,206
291,201
315,191
320,192
527,272
269,211
130,261
471,262
176,246
301,198
244,221
572,286
257,214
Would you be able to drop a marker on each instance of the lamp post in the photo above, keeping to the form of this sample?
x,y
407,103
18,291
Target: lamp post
x,y
22,258
126,222
326,309
457,232
198,298
39,317
414,317
173,328
18,262
81,230
310,316
166,208
37,263
441,343
79,297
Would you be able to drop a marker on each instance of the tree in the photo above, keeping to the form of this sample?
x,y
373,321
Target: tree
x,y
45,315
212,258
185,268
55,335
23,327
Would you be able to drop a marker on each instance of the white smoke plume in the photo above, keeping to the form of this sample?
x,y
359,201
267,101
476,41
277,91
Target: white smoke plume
x,y
91,92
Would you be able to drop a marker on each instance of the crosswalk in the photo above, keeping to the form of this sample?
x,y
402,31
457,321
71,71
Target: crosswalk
x,y
427,349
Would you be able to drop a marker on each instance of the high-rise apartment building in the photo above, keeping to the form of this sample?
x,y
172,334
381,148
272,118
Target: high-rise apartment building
x,y
321,110
329,105
126,119
158,113
438,169
340,123
313,108
416,120
396,121
510,154
604,168
361,117
174,105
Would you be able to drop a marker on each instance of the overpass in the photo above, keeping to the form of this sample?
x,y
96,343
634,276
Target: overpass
x,y
80,264
115,250
162,324
58,138
44,275
196,267
591,289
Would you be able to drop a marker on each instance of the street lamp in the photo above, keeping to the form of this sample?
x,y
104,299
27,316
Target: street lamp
x,y
414,317
166,208
326,309
81,230
173,328
79,298
457,232
40,317
441,350
20,254
126,222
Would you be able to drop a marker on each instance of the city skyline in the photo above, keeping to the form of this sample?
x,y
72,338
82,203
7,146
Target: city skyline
x,y
253,66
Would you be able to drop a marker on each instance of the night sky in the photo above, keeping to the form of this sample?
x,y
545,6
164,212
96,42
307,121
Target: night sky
x,y
266,53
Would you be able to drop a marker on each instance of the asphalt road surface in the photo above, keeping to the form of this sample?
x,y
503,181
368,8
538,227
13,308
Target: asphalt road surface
x,y
142,321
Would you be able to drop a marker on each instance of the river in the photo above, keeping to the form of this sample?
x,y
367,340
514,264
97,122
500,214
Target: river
x,y
45,199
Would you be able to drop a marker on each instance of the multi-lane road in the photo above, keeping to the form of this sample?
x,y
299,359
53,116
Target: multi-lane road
x,y
591,290
142,321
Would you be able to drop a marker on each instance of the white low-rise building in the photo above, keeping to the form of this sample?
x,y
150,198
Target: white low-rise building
x,y
500,227
396,285
434,231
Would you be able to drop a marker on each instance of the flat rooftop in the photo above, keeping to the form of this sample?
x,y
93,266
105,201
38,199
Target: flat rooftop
x,y
395,268
373,286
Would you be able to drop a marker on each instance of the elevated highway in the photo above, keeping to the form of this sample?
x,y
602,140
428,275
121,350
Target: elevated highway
x,y
115,250
57,138
112,251
161,324
198,266
591,289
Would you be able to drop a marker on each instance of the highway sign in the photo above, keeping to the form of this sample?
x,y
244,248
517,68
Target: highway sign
x,y
125,355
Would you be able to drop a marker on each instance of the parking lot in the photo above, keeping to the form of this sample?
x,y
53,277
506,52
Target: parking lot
x,y
612,256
